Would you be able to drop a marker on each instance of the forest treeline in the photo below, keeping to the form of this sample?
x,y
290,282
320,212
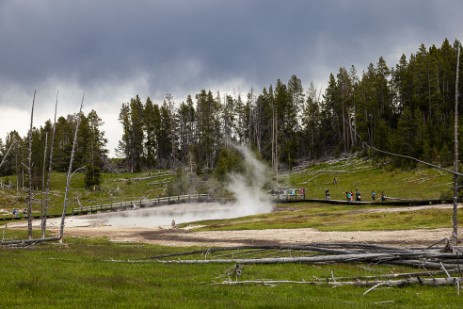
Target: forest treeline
x,y
406,109
90,155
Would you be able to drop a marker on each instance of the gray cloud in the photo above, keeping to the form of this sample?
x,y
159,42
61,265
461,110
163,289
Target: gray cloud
x,y
116,49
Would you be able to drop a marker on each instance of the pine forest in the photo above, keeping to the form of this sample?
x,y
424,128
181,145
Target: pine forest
x,y
407,109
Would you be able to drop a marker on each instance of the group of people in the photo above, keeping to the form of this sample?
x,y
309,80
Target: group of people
x,y
15,213
350,196
357,196
382,196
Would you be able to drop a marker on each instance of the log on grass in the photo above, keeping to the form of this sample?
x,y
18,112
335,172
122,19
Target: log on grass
x,y
386,283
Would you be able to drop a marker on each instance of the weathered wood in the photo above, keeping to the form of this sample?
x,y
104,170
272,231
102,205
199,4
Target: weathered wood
x,y
114,206
454,236
29,168
387,283
50,165
340,258
69,172
28,241
8,151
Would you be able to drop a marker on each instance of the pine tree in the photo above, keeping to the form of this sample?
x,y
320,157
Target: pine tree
x,y
208,130
149,126
96,151
186,126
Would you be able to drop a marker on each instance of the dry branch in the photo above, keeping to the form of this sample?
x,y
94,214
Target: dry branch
x,y
8,151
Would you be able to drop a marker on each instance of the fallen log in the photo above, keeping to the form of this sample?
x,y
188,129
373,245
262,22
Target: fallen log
x,y
387,283
305,259
28,241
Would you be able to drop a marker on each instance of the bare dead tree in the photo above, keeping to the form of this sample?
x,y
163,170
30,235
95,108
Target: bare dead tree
x,y
69,172
29,166
8,151
393,154
47,188
44,169
454,237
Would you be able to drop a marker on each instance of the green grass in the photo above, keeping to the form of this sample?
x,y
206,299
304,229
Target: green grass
x,y
361,174
336,218
79,275
114,187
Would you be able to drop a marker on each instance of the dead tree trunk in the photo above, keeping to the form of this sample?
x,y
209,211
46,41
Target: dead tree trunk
x,y
454,237
43,178
29,167
69,172
47,188
8,151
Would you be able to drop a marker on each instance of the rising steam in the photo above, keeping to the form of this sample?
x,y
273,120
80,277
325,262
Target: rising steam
x,y
247,189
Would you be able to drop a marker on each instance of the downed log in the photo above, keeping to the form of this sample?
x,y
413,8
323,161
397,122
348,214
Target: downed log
x,y
305,259
386,283
416,258
28,241
388,276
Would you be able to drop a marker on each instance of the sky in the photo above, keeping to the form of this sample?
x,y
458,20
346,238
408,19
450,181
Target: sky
x,y
112,50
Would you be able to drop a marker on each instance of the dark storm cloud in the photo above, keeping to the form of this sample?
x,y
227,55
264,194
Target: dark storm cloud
x,y
187,44
115,49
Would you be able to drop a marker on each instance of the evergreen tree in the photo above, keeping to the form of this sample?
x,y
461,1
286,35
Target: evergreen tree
x,y
137,135
208,130
131,144
186,128
311,124
151,119
96,151
164,138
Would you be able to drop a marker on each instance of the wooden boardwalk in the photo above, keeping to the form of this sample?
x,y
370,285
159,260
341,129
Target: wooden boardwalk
x,y
145,203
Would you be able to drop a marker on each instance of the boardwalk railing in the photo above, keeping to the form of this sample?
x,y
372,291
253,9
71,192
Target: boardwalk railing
x,y
142,203
285,197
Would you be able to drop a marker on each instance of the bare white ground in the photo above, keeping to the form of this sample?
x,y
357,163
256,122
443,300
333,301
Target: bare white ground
x,y
155,227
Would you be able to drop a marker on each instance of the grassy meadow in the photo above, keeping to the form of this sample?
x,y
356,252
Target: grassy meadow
x,y
83,272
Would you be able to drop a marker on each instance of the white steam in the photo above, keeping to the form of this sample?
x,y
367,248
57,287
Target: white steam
x,y
247,189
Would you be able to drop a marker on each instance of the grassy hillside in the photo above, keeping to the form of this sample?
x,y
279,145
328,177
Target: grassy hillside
x,y
114,187
362,174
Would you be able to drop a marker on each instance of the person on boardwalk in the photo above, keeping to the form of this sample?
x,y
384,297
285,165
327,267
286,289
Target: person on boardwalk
x,y
358,196
327,194
348,196
373,195
383,197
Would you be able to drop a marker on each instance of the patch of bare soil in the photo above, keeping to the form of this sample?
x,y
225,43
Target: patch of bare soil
x,y
168,236
182,237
